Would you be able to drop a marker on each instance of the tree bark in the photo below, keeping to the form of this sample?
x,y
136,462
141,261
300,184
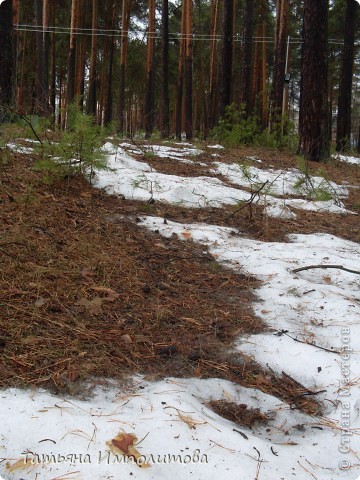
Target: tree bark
x,y
41,87
53,63
226,57
314,139
165,125
280,59
264,104
189,71
108,103
91,102
214,14
245,87
343,132
125,20
46,52
72,54
149,102
6,59
180,82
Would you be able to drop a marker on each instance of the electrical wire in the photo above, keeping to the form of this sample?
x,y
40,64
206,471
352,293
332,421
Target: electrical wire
x,y
116,33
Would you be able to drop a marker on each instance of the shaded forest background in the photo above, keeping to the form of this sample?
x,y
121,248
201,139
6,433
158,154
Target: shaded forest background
x,y
187,66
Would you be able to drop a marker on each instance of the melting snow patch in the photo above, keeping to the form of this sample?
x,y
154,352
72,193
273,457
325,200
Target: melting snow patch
x,y
178,435
347,159
137,180
219,147
314,313
19,148
279,182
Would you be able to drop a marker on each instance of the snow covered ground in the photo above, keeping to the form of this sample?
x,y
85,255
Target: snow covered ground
x,y
314,326
137,180
347,159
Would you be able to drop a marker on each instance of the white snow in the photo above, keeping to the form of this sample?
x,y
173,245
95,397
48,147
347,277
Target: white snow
x,y
62,438
280,182
19,148
347,159
217,146
164,151
137,180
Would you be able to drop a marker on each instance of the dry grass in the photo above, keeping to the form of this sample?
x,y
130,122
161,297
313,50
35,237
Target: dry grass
x,y
239,413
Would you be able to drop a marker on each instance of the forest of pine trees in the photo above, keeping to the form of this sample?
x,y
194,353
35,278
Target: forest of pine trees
x,y
176,66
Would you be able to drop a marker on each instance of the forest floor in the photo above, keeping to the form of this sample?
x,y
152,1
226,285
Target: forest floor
x,y
88,294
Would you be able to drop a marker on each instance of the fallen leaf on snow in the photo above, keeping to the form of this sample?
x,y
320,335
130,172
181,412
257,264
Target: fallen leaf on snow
x,y
191,422
22,463
124,443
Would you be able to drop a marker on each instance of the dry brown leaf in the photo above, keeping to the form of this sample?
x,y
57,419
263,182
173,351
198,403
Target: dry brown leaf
x,y
87,274
126,338
22,463
327,279
40,302
190,422
142,339
186,235
92,306
124,443
110,295
31,340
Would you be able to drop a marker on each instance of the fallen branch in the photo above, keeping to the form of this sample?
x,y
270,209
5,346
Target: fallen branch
x,y
340,267
284,332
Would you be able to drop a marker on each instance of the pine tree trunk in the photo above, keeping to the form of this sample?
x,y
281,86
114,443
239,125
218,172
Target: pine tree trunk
x,y
149,102
264,105
91,101
16,48
189,71
214,13
165,126
41,87
53,63
314,139
256,72
80,60
72,54
180,84
46,52
6,59
125,19
108,104
246,64
226,57
280,59
343,132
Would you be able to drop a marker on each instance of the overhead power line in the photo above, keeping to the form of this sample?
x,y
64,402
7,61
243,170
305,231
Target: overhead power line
x,y
154,35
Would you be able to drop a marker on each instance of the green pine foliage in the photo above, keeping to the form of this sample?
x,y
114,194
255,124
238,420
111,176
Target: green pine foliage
x,y
76,150
237,129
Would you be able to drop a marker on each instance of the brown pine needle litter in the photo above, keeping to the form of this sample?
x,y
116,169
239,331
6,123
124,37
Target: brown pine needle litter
x,y
87,294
